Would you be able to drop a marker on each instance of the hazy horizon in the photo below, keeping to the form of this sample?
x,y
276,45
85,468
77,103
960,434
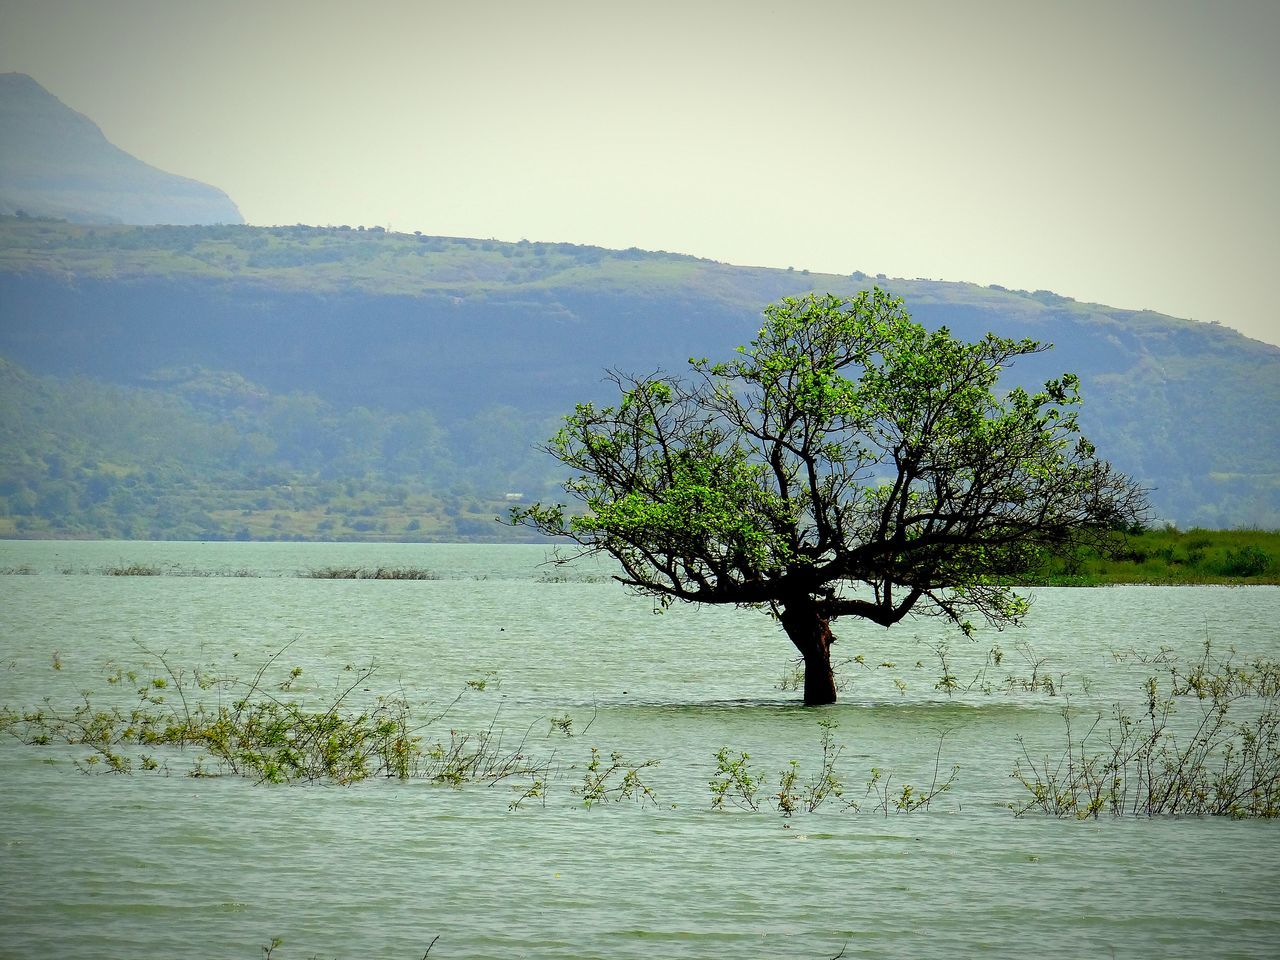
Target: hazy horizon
x,y
1122,153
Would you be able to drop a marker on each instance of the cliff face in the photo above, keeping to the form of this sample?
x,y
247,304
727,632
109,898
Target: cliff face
x,y
55,162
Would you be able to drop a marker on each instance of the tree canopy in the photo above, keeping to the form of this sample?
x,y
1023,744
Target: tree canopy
x,y
848,462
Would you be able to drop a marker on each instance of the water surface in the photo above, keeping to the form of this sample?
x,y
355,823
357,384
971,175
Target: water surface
x,y
141,865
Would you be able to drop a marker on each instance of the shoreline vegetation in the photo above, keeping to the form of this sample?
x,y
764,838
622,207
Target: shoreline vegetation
x,y
1156,557
1167,556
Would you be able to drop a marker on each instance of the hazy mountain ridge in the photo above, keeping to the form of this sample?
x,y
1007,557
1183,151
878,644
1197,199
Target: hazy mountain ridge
x,y
490,342
55,162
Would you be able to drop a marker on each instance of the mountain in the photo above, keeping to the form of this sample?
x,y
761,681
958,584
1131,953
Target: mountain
x,y
55,162
264,381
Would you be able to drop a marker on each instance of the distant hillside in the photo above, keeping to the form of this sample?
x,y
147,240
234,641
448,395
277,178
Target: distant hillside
x,y
388,358
203,455
55,162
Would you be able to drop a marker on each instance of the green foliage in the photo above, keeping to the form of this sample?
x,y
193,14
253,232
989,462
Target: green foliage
x,y
223,459
1223,760
156,716
735,783
768,465
613,779
1168,555
323,259
243,728
1247,561
845,445
907,798
948,682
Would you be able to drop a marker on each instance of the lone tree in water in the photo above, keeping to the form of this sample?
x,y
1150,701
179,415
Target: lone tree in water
x,y
847,463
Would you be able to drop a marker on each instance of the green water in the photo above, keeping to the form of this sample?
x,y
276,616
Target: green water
x,y
148,865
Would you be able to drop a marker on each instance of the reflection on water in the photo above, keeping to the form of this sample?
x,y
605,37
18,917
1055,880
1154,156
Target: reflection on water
x,y
105,866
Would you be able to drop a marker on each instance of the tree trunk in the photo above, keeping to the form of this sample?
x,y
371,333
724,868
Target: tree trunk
x,y
811,634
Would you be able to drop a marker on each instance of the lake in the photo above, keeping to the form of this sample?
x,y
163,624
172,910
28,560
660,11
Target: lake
x,y
161,864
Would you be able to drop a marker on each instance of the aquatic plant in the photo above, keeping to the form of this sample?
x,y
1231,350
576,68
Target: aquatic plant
x,y
736,783
371,573
1037,678
793,794
1218,763
571,578
123,569
617,779
948,682
132,570
733,781
907,799
793,673
244,728
269,949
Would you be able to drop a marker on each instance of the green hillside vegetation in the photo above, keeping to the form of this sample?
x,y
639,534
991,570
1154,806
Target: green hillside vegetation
x,y
373,260
211,456
274,357
342,259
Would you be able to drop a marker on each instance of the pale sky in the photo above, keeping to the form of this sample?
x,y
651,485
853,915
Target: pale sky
x,y
1125,152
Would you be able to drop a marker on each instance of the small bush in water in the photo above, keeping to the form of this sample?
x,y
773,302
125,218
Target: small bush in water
x,y
1225,760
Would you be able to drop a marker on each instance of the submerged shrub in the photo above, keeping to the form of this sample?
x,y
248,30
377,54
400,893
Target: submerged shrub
x,y
736,783
372,573
615,779
244,728
225,725
1224,762
132,570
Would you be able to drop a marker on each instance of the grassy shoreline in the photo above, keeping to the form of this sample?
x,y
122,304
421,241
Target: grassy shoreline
x,y
1170,557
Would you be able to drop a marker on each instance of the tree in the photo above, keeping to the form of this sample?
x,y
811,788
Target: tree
x,y
847,463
